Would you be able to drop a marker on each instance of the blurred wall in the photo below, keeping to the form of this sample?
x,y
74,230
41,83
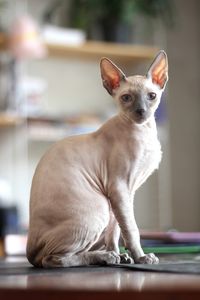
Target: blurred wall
x,y
183,47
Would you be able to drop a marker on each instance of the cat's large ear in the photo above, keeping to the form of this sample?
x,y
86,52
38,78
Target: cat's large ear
x,y
111,75
158,71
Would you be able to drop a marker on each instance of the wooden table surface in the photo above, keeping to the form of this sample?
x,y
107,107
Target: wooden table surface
x,y
95,283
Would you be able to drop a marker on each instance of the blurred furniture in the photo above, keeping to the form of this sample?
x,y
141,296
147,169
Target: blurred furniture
x,y
89,50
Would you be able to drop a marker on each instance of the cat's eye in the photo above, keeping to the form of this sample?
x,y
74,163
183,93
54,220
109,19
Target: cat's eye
x,y
151,96
126,98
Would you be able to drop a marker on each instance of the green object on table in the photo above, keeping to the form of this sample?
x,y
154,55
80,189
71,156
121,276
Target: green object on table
x,y
168,249
122,250
172,249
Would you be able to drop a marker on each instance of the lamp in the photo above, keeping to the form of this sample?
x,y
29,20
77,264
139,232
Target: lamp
x,y
24,43
24,39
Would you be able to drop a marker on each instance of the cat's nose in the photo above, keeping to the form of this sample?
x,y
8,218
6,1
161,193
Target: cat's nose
x,y
140,112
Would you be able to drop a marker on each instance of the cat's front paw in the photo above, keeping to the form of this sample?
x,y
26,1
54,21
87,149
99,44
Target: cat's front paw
x,y
126,259
149,259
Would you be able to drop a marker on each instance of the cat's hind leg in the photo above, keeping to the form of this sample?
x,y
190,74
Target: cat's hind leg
x,y
81,259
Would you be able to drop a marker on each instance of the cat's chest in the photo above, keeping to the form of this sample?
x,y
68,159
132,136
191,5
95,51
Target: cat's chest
x,y
147,156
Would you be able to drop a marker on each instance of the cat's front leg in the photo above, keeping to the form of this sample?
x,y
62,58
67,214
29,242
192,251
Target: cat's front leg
x,y
122,207
112,236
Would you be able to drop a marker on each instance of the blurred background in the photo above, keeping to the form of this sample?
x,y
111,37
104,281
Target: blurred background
x,y
50,88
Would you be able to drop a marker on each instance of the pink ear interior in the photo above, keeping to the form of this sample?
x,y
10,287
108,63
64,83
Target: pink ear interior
x,y
159,73
159,70
111,75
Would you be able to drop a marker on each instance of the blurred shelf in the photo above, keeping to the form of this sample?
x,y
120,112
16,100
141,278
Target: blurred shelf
x,y
53,129
96,50
54,134
9,120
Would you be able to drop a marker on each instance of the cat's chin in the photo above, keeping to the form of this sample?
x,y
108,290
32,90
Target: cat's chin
x,y
141,120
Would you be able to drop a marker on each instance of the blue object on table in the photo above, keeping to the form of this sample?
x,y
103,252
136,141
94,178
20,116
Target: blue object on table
x,y
8,220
